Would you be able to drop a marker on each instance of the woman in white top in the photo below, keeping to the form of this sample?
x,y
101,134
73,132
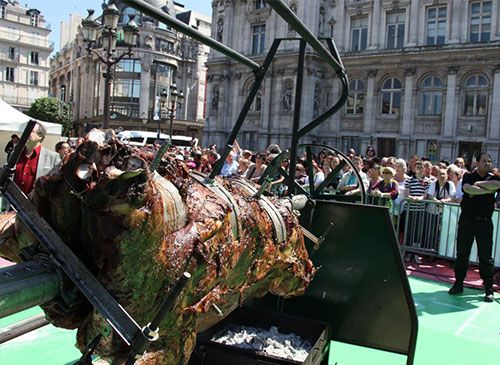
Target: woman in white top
x,y
400,177
455,176
440,191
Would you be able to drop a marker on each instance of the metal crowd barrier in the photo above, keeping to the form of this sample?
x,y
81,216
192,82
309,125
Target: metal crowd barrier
x,y
430,228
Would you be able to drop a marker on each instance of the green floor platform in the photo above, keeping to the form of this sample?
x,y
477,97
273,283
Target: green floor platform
x,y
459,330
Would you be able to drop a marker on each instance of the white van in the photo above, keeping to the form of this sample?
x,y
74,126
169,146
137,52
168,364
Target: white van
x,y
142,138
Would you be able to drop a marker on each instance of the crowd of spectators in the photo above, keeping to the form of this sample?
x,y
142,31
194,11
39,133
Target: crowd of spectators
x,y
393,179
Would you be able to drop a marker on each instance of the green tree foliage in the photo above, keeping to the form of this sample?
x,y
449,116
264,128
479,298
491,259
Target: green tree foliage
x,y
52,110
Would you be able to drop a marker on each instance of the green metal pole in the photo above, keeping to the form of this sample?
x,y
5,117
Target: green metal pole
x,y
27,285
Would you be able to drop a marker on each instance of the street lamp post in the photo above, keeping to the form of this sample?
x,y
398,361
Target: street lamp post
x,y
109,29
172,102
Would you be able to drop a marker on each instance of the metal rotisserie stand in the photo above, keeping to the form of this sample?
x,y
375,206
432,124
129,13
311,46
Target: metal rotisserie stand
x,y
209,352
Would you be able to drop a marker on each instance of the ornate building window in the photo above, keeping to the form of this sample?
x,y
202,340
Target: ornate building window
x,y
395,29
257,101
260,4
355,100
3,11
391,96
480,21
128,13
435,26
62,94
431,97
220,29
475,96
359,33
258,38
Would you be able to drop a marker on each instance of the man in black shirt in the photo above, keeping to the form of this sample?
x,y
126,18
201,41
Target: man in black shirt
x,y
475,222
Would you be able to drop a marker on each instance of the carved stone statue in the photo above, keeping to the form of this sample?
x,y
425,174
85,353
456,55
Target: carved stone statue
x,y
317,103
215,101
220,29
286,100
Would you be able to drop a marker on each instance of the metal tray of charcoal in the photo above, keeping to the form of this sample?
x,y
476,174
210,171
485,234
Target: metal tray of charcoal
x,y
276,331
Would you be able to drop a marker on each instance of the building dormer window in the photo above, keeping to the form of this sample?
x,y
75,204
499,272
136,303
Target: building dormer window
x,y
34,17
34,20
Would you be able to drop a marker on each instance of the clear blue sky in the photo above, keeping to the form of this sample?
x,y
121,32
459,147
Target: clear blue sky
x,y
56,11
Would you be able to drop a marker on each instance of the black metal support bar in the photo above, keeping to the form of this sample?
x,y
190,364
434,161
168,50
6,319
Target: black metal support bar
x,y
118,318
310,169
150,332
348,161
259,77
296,117
160,15
328,180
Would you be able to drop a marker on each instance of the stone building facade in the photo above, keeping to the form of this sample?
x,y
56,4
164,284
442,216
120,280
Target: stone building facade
x,y
24,54
424,75
161,57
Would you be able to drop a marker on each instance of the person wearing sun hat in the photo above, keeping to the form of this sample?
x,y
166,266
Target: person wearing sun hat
x,y
387,187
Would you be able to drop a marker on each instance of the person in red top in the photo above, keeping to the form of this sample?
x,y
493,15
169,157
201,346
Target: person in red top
x,y
34,161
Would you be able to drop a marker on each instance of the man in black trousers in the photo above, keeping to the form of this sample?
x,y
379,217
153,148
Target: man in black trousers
x,y
477,206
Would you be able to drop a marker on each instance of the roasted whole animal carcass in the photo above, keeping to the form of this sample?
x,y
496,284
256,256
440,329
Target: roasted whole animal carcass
x,y
138,231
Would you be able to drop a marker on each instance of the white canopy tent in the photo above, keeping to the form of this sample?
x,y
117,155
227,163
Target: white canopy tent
x,y
12,120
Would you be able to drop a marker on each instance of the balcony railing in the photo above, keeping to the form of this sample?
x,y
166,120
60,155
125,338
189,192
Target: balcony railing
x,y
16,100
9,58
33,41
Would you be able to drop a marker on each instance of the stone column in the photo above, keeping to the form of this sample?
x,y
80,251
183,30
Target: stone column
x,y
144,94
374,41
412,27
369,122
407,121
453,21
449,107
494,122
340,27
334,126
102,88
